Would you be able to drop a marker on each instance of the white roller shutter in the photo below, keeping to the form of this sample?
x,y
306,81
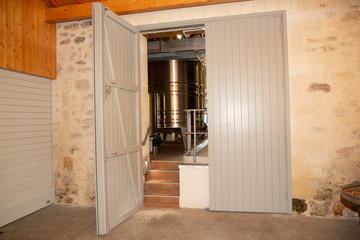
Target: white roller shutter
x,y
26,165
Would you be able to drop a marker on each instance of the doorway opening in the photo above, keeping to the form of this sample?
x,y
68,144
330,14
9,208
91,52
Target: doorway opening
x,y
177,102
176,83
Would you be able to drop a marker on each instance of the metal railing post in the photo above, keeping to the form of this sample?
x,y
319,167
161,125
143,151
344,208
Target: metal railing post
x,y
192,130
188,147
194,137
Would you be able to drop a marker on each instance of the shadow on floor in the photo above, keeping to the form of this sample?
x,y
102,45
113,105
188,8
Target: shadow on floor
x,y
78,223
53,222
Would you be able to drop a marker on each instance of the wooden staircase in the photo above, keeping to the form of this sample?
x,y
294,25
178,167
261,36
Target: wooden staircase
x,y
162,185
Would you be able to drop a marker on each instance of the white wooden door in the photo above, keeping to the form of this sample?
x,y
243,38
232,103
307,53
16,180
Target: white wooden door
x,y
117,119
248,114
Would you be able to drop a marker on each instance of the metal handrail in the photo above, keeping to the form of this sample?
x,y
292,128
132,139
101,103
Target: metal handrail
x,y
192,131
146,136
147,158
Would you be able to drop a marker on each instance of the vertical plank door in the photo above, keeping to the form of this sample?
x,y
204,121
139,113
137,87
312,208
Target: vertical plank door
x,y
248,114
117,116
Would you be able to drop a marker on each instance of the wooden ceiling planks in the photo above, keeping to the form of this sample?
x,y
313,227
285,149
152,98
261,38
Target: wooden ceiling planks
x,y
61,3
84,10
54,3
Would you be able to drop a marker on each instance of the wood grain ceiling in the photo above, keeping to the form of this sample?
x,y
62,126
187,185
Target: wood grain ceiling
x,y
69,10
61,3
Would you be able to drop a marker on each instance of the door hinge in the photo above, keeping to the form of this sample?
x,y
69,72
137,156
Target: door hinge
x,y
107,92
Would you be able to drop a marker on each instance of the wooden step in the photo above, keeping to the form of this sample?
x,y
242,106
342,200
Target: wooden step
x,y
162,185
163,194
175,180
165,165
166,175
160,201
159,188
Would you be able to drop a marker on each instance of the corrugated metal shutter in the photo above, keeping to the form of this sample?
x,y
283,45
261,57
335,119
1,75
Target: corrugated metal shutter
x,y
26,166
248,115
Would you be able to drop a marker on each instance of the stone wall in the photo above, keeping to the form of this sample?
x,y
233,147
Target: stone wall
x,y
324,75
73,121
73,116
324,70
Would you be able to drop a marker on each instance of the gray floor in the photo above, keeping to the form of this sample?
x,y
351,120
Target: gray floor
x,y
176,152
68,222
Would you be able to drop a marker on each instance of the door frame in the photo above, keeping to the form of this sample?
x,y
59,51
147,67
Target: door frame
x,y
101,220
282,15
98,88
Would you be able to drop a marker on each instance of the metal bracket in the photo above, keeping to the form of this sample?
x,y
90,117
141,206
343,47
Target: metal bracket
x,y
202,60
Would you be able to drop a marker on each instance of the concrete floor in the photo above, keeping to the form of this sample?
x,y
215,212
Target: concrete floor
x,y
69,222
175,152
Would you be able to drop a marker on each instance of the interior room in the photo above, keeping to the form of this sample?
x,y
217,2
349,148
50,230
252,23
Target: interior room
x,y
166,113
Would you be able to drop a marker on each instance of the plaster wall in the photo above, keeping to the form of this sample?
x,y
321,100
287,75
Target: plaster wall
x,y
194,186
324,75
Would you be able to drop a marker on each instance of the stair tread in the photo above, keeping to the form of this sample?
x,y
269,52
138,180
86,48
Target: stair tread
x,y
162,205
161,192
165,194
177,161
170,181
166,169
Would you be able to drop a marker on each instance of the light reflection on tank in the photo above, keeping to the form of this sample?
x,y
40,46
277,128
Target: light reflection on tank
x,y
175,85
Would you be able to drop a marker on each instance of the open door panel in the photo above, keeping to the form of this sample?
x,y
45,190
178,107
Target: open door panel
x,y
117,119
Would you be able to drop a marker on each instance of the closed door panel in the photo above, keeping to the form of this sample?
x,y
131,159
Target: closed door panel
x,y
248,116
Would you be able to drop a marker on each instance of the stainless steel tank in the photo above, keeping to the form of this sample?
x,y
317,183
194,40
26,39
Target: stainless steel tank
x,y
175,85
202,88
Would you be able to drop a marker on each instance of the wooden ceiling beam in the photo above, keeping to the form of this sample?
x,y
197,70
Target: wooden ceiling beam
x,y
121,7
54,3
